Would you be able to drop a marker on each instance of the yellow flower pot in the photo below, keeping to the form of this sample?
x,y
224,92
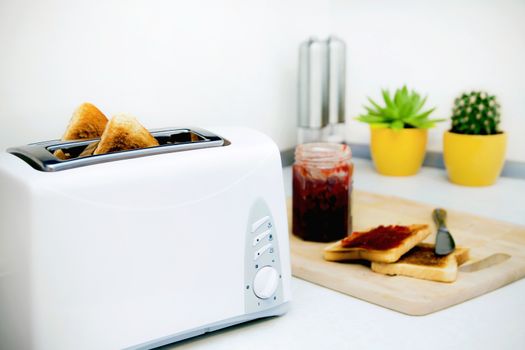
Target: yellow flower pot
x,y
474,160
398,153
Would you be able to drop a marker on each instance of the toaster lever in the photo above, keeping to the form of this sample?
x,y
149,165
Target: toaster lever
x,y
260,237
263,250
257,224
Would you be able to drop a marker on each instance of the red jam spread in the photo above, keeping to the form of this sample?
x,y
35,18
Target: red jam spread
x,y
321,202
379,238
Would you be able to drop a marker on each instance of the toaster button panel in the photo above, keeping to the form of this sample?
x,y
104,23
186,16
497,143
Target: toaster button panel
x,y
263,287
257,224
261,251
260,237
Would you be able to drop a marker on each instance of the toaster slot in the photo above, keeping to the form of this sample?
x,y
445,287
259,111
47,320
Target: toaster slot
x,y
179,137
75,150
41,156
87,147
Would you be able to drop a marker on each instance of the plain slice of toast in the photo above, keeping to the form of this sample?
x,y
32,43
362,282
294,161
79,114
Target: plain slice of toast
x,y
364,244
124,132
88,151
421,262
87,122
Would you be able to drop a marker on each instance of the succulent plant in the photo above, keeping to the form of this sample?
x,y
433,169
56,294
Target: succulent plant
x,y
476,113
403,110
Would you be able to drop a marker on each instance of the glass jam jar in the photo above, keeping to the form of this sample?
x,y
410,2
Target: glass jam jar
x,y
322,188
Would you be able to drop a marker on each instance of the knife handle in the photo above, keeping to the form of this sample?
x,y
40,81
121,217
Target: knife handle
x,y
439,215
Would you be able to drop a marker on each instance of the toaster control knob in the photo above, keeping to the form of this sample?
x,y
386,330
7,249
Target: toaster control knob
x,y
265,282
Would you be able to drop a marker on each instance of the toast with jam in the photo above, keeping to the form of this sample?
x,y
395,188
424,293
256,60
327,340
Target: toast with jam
x,y
423,263
385,244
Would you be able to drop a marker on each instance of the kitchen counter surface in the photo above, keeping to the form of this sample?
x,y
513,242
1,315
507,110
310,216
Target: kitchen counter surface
x,y
322,318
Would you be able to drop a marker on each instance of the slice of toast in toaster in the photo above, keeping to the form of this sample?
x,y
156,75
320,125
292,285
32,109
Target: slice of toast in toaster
x,y
87,122
124,132
88,151
382,244
422,262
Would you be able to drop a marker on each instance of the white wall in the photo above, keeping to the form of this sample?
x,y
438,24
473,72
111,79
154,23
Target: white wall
x,y
234,62
441,48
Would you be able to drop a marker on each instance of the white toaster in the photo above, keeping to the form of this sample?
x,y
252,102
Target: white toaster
x,y
141,248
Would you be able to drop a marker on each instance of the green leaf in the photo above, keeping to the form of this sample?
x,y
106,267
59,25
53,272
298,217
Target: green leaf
x,y
398,97
403,102
417,123
370,119
437,120
378,107
412,105
392,113
424,115
373,111
420,104
425,124
404,110
388,100
397,125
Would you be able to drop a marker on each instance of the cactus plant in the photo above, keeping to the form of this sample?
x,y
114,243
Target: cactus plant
x,y
476,113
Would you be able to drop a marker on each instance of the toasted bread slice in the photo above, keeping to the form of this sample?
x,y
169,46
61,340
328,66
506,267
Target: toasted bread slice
x,y
87,122
378,244
61,155
88,151
124,132
421,262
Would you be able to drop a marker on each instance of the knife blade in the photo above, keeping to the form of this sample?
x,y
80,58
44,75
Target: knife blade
x,y
484,263
444,242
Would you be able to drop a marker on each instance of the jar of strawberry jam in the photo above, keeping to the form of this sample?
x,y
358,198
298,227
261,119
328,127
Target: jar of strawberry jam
x,y
322,188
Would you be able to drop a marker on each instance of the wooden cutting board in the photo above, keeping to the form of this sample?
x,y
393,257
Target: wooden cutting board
x,y
408,295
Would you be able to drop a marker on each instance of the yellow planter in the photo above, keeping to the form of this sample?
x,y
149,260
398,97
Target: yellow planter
x,y
474,160
398,153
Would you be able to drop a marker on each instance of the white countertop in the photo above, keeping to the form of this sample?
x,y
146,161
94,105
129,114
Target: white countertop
x,y
322,318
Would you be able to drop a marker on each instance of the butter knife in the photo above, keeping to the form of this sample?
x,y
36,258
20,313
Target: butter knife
x,y
485,263
444,241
